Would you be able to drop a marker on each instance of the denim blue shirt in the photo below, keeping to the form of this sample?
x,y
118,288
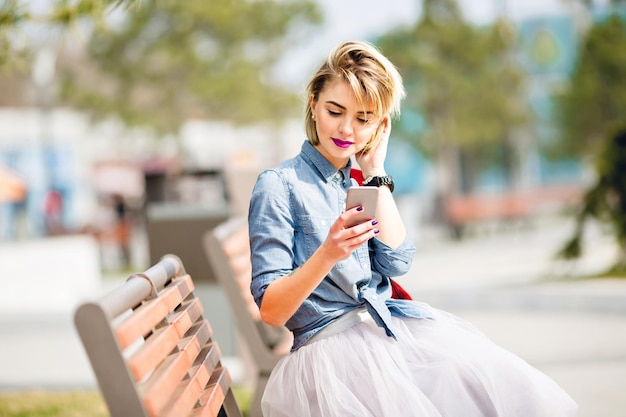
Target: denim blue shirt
x,y
291,210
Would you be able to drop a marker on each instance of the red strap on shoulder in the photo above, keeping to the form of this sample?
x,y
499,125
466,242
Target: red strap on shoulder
x,y
357,174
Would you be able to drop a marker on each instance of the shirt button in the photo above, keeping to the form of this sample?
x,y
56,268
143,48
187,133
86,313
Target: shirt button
x,y
323,222
374,297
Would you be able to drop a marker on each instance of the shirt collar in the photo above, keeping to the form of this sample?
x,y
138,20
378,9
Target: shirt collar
x,y
326,169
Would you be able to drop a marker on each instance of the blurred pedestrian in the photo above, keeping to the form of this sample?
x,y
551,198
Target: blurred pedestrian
x,y
53,212
122,228
359,350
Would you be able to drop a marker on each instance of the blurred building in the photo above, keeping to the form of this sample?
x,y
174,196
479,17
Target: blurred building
x,y
62,151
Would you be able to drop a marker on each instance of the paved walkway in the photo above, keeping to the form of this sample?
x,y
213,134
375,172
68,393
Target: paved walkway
x,y
573,330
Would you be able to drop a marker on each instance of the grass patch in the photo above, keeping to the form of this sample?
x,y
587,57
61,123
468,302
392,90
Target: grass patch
x,y
73,403
52,404
617,273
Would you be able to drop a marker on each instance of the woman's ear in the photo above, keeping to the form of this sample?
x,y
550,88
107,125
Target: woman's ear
x,y
386,123
383,126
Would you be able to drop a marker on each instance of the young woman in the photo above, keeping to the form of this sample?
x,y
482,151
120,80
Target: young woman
x,y
357,351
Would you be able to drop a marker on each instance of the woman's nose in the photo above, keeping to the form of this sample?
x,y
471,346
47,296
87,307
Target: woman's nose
x,y
345,128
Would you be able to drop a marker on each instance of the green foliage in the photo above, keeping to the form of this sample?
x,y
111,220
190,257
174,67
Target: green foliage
x,y
157,63
11,14
596,96
16,18
168,61
65,13
614,2
462,79
591,118
606,199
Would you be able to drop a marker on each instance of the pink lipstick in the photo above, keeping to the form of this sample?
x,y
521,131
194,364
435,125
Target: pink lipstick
x,y
342,143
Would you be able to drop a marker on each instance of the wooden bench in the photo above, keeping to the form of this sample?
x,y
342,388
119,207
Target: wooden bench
x,y
151,348
509,206
228,250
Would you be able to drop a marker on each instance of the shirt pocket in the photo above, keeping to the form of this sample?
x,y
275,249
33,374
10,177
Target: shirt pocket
x,y
315,230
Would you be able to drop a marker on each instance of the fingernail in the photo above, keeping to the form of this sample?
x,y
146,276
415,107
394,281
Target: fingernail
x,y
374,222
359,208
376,231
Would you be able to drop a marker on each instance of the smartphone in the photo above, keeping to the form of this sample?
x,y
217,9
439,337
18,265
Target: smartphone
x,y
367,197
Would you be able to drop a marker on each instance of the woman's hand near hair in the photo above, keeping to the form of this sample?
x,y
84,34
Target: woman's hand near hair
x,y
372,162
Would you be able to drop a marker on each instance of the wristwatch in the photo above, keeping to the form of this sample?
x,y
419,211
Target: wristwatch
x,y
378,181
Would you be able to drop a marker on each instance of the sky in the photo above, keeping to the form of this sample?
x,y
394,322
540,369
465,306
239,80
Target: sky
x,y
364,19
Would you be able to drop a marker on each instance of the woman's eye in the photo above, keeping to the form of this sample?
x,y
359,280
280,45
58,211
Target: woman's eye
x,y
333,113
363,121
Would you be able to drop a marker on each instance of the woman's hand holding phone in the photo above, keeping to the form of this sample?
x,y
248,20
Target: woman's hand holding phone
x,y
355,226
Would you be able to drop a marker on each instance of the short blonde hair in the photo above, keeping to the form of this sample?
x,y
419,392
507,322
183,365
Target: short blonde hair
x,y
373,78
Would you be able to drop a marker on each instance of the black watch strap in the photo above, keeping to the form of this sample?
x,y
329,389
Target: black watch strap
x,y
379,180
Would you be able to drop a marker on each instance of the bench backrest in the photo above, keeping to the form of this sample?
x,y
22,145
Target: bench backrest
x,y
151,348
228,250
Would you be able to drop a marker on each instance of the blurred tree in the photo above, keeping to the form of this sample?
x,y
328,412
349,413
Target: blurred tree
x,y
595,97
467,87
167,61
27,27
590,3
16,15
589,110
605,200
156,63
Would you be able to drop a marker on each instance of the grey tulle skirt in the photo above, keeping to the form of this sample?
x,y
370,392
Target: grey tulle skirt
x,y
441,367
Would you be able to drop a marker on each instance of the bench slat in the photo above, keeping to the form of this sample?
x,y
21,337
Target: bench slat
x,y
161,343
187,393
213,397
152,312
161,384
